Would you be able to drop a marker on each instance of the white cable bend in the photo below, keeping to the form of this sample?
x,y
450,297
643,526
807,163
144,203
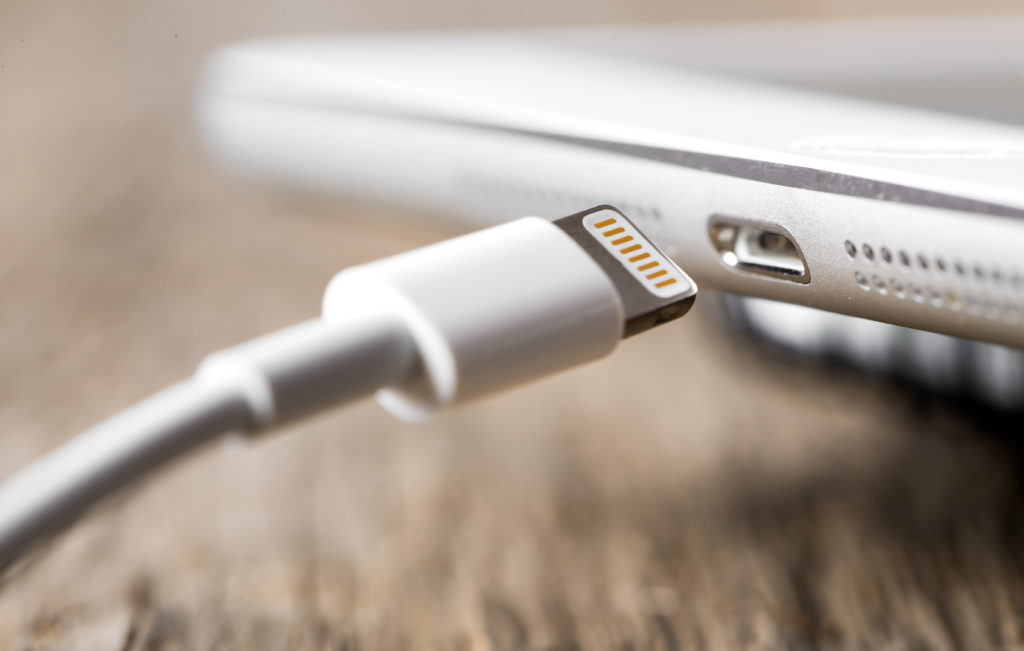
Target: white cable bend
x,y
50,494
267,381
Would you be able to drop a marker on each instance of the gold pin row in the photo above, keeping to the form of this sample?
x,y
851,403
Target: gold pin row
x,y
634,247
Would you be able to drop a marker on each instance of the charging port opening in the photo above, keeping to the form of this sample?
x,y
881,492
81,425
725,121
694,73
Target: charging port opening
x,y
758,248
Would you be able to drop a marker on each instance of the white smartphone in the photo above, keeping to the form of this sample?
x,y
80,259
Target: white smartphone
x,y
870,209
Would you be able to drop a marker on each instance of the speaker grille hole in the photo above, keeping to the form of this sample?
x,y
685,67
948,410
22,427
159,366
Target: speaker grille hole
x,y
862,280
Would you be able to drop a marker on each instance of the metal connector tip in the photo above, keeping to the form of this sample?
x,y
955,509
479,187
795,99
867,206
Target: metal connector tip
x,y
653,289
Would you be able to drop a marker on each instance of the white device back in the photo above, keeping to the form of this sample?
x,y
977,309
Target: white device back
x,y
896,214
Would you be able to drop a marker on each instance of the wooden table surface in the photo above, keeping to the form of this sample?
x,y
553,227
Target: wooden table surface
x,y
688,492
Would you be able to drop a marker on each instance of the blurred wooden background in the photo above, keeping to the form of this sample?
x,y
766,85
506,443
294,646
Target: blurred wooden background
x,y
686,493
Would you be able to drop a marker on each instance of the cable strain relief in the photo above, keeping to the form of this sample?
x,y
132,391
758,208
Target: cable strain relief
x,y
434,387
226,370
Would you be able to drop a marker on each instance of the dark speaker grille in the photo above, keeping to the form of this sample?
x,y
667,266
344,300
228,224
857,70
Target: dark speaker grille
x,y
940,281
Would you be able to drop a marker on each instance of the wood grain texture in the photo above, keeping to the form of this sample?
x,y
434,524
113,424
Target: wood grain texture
x,y
687,493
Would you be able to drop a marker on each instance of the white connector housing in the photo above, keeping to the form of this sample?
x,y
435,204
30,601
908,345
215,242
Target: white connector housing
x,y
486,310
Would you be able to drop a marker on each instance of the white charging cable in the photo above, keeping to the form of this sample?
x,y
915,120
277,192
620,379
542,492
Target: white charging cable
x,y
421,330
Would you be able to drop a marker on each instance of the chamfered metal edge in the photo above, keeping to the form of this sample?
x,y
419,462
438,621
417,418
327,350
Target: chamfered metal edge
x,y
753,169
